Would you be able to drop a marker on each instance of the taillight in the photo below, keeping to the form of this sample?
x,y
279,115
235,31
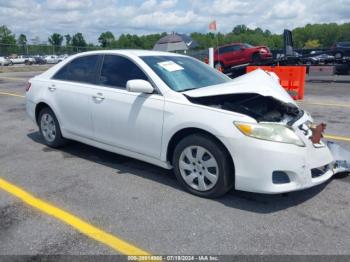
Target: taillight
x,y
28,85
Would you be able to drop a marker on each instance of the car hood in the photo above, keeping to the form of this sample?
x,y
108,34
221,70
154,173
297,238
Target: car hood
x,y
257,81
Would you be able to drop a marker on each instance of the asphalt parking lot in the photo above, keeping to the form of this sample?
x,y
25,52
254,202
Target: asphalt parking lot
x,y
142,205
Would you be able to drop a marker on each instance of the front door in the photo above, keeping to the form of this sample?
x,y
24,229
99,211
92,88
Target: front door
x,y
131,121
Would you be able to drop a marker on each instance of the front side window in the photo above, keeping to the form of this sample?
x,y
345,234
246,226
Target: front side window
x,y
184,73
81,69
117,70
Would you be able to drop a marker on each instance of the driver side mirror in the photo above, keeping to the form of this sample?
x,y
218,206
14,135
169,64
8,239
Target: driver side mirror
x,y
139,86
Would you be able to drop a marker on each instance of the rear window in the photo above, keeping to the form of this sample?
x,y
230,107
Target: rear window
x,y
247,45
225,49
81,69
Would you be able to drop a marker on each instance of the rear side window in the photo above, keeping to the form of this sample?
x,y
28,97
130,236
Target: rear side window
x,y
81,69
117,70
225,49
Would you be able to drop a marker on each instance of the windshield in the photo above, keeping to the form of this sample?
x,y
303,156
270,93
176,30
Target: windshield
x,y
248,45
184,73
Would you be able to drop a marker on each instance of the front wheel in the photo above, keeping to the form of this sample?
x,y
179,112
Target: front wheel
x,y
203,166
50,128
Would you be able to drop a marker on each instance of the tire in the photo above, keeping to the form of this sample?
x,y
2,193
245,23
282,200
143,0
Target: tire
x,y
50,128
256,58
214,163
219,66
338,55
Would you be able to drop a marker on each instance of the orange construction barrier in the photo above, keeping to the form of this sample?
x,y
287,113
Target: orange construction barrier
x,y
292,78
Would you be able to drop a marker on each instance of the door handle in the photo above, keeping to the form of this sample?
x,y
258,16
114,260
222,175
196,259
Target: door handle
x,y
52,88
98,97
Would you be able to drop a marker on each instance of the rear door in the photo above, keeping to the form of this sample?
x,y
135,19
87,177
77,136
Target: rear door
x,y
71,89
225,55
123,119
238,55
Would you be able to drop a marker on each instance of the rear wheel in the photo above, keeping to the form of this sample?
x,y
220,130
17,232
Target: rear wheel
x,y
50,128
202,166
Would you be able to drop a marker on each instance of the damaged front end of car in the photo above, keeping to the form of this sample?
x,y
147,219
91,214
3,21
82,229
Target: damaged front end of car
x,y
278,118
261,108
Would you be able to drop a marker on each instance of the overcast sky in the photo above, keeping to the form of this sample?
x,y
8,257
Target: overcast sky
x,y
92,17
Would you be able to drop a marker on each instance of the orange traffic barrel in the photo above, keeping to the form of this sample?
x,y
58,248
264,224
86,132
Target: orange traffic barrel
x,y
292,78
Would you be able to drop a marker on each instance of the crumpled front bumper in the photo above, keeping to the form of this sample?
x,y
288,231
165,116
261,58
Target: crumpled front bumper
x,y
341,158
256,162
270,167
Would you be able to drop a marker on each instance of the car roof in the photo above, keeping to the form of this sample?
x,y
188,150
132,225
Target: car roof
x,y
236,43
135,52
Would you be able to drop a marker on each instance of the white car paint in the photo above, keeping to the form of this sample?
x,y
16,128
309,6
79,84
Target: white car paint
x,y
4,61
52,59
142,125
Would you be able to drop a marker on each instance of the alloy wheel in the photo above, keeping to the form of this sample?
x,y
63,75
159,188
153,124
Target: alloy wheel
x,y
48,127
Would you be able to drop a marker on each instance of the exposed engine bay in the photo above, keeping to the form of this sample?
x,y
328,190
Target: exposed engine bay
x,y
261,108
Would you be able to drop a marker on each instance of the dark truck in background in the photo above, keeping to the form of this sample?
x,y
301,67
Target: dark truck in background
x,y
341,49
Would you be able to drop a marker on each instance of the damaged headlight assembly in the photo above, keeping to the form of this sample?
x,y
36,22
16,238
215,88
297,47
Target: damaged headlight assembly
x,y
270,132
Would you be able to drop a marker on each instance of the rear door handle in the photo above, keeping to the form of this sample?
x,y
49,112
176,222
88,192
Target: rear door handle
x,y
52,88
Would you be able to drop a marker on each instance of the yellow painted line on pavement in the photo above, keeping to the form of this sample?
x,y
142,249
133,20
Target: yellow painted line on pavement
x,y
11,94
82,226
339,138
324,104
14,78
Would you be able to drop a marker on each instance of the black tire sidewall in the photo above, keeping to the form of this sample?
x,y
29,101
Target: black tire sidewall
x,y
59,140
226,171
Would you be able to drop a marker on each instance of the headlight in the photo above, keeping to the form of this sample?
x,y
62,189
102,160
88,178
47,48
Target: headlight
x,y
270,132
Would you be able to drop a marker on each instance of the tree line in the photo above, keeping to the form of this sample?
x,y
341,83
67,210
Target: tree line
x,y
309,36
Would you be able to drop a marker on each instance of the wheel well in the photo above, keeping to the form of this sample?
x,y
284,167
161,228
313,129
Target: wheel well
x,y
190,131
219,62
38,108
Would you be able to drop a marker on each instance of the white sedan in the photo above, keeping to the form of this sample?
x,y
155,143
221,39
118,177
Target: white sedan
x,y
177,112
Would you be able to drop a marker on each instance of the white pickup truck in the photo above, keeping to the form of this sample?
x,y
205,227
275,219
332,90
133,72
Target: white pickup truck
x,y
22,60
